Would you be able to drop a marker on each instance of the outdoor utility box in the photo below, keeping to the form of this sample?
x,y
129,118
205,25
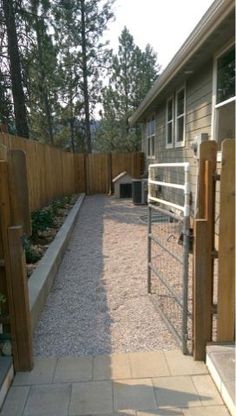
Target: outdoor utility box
x,y
122,185
139,191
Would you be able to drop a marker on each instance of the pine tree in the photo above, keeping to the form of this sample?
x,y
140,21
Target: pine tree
x,y
15,69
132,72
80,26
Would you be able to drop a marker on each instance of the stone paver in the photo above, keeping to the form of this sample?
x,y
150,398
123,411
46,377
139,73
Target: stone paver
x,y
73,369
207,390
180,364
148,364
134,394
42,373
48,400
162,412
115,385
15,401
206,411
115,366
178,391
91,398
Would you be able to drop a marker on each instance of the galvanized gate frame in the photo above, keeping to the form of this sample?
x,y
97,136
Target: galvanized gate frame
x,y
185,210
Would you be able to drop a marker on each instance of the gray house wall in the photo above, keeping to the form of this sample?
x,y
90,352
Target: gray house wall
x,y
197,120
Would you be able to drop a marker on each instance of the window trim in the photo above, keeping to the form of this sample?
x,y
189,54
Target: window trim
x,y
150,137
170,145
182,142
217,55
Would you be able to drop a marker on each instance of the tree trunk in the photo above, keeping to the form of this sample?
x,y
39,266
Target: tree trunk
x,y
15,70
43,86
85,80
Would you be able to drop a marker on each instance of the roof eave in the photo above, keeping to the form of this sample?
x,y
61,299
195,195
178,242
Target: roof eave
x,y
211,19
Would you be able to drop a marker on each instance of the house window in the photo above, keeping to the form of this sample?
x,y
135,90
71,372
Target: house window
x,y
150,136
180,117
224,96
169,122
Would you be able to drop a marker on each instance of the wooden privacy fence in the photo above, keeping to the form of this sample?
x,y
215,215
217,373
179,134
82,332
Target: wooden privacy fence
x,y
53,172
207,283
96,171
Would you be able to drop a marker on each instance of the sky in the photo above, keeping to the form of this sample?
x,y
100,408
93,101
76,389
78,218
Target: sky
x,y
165,24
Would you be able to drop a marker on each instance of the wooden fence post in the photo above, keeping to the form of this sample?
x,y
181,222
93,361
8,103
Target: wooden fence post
x,y
13,269
226,281
203,251
109,173
18,182
20,301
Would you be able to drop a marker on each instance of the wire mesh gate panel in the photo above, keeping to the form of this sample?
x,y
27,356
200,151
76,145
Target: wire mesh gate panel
x,y
168,247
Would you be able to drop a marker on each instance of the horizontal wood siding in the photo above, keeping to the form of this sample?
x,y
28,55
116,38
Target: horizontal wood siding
x,y
198,120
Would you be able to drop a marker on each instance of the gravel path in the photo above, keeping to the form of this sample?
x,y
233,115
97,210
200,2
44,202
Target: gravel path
x,y
98,303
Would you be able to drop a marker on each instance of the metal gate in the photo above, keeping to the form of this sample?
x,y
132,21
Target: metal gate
x,y
168,246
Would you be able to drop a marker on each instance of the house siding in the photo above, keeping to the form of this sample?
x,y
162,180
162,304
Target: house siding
x,y
197,120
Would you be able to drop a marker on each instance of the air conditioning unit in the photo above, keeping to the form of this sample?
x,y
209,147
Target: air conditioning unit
x,y
139,191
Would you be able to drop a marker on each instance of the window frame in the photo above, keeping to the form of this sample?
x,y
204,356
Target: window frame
x,y
215,106
177,117
172,121
150,138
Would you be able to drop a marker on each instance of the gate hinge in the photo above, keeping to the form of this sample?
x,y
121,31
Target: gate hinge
x,y
216,176
2,263
214,254
214,309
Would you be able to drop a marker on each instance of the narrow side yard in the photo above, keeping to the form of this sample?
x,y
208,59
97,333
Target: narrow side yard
x,y
99,302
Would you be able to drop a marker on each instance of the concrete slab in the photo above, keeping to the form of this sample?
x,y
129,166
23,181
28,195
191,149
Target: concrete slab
x,y
176,392
42,373
180,364
6,377
15,401
115,366
220,361
206,411
73,369
148,364
207,390
162,412
91,398
135,394
48,400
42,278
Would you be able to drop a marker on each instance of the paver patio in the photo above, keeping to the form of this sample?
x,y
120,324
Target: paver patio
x,y
119,384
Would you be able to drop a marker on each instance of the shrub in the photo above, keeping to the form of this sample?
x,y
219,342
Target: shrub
x,y
32,255
41,220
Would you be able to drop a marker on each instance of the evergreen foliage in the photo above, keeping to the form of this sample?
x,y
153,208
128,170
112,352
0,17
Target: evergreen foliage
x,y
132,72
53,68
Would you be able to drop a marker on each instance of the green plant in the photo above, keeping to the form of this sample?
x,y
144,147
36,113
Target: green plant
x,y
41,220
32,255
2,300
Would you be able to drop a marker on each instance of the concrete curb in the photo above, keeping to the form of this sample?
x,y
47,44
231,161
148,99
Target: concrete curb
x,y
41,280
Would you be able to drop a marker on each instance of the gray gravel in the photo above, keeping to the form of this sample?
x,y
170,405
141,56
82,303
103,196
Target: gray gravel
x,y
98,303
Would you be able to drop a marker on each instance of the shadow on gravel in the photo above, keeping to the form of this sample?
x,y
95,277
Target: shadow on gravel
x,y
127,213
76,320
